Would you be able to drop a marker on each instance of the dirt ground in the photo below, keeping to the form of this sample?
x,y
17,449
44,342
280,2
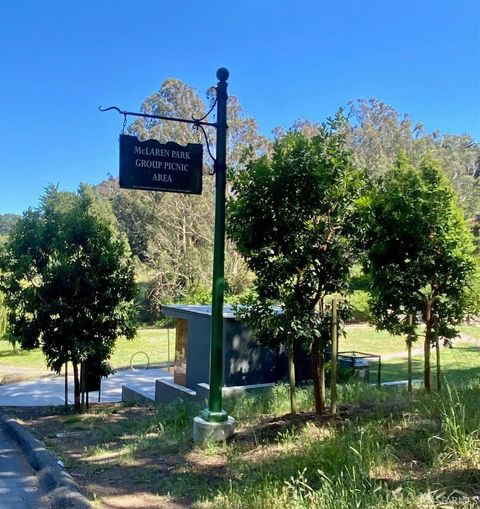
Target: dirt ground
x,y
111,488
152,479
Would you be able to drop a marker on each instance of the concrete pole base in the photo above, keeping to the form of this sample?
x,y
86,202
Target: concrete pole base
x,y
215,431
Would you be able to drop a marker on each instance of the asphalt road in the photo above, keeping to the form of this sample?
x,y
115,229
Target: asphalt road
x,y
18,484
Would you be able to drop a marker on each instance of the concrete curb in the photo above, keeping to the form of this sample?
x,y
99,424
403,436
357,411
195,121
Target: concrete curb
x,y
57,490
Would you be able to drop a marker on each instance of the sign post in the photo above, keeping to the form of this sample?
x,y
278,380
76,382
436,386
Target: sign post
x,y
170,167
215,412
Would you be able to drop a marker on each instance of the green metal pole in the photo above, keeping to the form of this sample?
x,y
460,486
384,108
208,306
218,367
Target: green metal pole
x,y
215,412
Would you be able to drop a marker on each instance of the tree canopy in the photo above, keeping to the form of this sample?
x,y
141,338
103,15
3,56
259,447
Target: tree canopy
x,y
379,133
172,235
68,280
419,252
291,217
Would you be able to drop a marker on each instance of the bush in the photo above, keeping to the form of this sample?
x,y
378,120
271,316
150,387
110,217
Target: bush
x,y
361,309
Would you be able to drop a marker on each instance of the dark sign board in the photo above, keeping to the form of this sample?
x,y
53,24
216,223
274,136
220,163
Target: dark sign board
x,y
154,166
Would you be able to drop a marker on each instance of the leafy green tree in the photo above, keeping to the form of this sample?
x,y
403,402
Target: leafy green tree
x,y
4,329
419,254
68,281
291,217
3,308
3,317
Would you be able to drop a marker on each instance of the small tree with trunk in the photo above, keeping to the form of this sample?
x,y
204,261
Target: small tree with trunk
x,y
291,218
419,255
68,281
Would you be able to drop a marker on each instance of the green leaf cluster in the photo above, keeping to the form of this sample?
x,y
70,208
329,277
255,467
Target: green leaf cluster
x,y
291,217
419,249
68,279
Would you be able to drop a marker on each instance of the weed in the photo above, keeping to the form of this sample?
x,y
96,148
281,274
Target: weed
x,y
459,437
287,437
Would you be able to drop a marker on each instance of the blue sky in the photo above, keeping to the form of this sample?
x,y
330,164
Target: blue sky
x,y
60,60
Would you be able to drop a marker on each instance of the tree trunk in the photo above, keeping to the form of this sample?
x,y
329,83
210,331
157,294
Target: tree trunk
x,y
409,365
321,374
83,375
318,367
437,355
291,378
76,386
427,371
317,391
184,249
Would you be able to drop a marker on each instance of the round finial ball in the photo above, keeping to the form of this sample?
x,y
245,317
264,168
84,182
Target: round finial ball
x,y
223,74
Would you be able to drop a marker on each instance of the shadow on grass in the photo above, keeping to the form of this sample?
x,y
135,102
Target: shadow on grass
x,y
149,450
452,485
164,462
13,355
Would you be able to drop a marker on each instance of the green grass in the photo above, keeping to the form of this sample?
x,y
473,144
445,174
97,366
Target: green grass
x,y
363,338
154,342
427,449
471,330
410,453
459,363
24,359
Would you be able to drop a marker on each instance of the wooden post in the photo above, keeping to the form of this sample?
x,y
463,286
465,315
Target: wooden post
x,y
333,372
291,378
66,385
168,348
437,355
82,383
409,354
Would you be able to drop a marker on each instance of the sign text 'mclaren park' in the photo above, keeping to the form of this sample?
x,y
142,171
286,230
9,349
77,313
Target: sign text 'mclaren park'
x,y
154,166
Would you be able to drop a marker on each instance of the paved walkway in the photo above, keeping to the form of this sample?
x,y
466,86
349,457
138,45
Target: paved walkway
x,y
51,391
399,355
18,484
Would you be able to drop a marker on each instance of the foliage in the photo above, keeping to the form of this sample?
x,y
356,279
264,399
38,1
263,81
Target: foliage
x,y
7,221
172,235
359,300
379,133
3,316
291,218
419,253
68,280
4,329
